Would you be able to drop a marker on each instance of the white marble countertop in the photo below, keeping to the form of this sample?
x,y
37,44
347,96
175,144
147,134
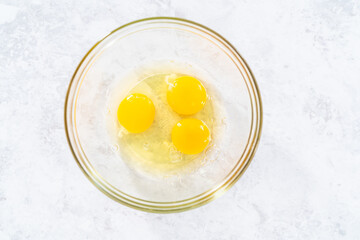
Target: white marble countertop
x,y
304,182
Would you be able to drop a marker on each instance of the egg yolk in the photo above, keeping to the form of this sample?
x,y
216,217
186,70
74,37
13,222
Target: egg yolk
x,y
186,95
190,136
136,113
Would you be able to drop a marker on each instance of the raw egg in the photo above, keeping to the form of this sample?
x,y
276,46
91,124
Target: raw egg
x,y
136,113
186,95
169,141
190,136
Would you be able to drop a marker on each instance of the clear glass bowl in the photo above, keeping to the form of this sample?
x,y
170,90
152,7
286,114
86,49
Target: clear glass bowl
x,y
136,44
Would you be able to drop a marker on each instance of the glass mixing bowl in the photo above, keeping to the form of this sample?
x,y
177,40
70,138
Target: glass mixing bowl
x,y
137,44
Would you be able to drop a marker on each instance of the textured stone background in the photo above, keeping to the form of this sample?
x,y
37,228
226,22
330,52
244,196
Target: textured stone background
x,y
304,182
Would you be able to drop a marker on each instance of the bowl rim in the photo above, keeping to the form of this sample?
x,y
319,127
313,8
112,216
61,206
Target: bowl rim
x,y
217,190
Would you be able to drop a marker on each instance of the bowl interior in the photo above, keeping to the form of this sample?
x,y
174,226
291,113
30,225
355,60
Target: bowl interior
x,y
149,47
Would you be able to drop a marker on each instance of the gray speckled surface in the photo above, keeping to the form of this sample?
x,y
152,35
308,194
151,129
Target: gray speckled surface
x,y
304,182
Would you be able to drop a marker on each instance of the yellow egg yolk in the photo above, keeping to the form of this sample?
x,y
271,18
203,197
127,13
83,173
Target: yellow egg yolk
x,y
186,95
136,113
190,136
